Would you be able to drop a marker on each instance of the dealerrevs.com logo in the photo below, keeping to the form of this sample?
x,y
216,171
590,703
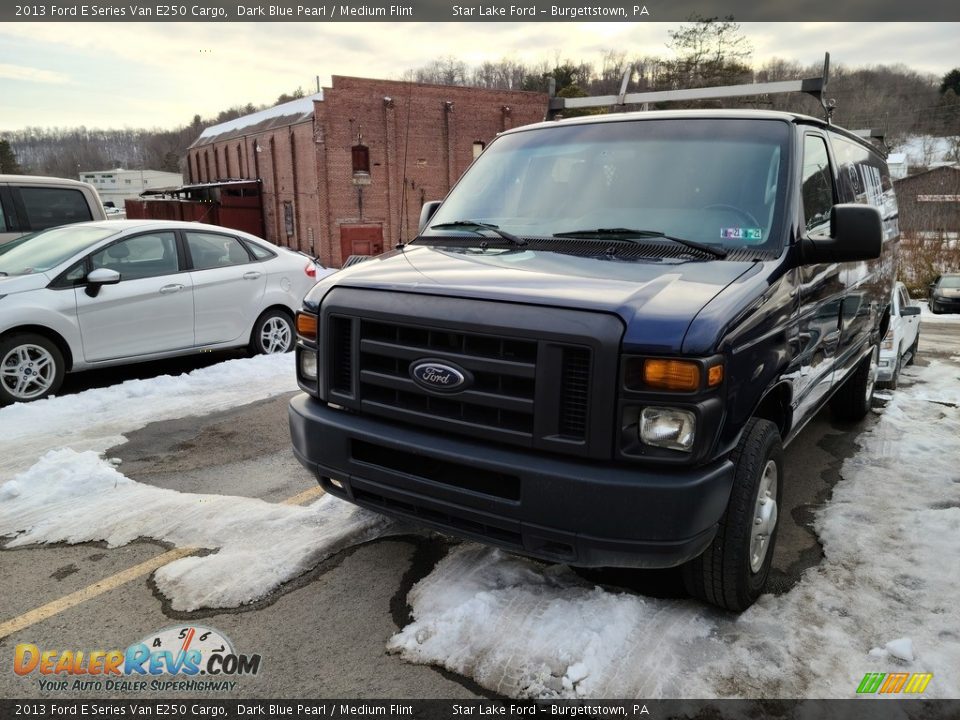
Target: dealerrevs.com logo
x,y
188,658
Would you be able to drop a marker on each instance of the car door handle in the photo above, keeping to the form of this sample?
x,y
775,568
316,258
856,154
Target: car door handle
x,y
252,275
167,289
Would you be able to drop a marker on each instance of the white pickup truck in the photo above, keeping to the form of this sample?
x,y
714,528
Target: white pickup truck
x,y
899,346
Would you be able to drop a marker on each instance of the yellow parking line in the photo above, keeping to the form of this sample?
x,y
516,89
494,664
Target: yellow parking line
x,y
304,497
91,591
44,612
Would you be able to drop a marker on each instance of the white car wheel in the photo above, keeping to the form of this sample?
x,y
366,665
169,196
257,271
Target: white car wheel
x,y
273,333
31,367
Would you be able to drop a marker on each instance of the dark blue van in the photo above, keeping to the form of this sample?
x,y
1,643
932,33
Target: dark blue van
x,y
600,342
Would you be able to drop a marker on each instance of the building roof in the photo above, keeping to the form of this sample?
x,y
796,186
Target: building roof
x,y
289,113
940,168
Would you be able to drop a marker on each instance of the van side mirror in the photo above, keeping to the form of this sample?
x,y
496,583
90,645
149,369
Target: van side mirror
x,y
856,233
426,212
909,310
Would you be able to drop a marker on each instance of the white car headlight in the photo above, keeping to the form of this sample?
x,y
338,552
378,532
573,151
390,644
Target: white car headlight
x,y
668,428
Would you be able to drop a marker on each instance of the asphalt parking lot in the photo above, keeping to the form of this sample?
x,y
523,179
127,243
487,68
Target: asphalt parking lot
x,y
324,633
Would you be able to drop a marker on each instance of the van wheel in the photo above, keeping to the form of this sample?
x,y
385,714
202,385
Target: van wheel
x,y
31,368
852,401
272,333
732,572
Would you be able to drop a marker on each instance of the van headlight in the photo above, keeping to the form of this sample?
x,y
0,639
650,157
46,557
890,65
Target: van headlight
x,y
668,428
308,364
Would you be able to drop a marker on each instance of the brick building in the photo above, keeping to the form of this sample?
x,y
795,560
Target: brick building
x,y
346,171
929,202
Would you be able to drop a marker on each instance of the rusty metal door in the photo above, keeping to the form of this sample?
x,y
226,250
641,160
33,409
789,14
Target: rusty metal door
x,y
360,240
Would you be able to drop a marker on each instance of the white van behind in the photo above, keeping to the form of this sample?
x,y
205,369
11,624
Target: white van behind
x,y
29,203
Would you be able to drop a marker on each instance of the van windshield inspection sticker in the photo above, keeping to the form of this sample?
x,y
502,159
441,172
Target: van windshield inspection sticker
x,y
739,233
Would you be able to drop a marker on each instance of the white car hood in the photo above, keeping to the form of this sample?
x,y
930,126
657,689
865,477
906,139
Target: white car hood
x,y
22,283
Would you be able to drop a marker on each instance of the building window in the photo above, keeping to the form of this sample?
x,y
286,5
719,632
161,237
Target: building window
x,y
288,218
478,146
361,159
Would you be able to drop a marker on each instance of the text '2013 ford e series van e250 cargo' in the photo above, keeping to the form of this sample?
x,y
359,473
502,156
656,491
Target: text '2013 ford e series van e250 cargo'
x,y
599,343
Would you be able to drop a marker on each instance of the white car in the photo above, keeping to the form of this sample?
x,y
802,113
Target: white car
x,y
120,291
899,345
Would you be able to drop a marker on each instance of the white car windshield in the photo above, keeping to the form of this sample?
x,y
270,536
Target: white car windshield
x,y
48,248
719,182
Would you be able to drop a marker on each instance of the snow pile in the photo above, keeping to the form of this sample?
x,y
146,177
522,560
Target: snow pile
x,y
527,631
888,579
96,419
76,497
901,649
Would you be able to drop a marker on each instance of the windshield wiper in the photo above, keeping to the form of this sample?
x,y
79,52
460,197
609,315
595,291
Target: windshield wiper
x,y
509,237
630,234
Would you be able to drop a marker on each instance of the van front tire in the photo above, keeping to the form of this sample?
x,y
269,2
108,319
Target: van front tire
x,y
732,572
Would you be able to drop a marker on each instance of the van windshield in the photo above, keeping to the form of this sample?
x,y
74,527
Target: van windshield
x,y
46,249
714,181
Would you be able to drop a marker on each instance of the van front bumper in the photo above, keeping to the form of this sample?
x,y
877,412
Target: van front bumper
x,y
588,514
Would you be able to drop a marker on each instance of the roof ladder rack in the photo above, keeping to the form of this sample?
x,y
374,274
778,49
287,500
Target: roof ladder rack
x,y
873,134
816,86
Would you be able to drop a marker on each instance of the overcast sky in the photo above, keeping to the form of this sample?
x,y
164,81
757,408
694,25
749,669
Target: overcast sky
x,y
115,75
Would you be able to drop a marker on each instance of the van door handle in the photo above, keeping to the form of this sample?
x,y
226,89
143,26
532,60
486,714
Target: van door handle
x,y
168,289
252,275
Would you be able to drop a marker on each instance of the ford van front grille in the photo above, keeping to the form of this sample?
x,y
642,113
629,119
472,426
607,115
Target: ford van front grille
x,y
524,376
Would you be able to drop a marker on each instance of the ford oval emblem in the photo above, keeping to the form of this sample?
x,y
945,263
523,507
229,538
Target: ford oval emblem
x,y
439,375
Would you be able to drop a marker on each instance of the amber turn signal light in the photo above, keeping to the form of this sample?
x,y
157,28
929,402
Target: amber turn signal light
x,y
715,376
307,326
671,374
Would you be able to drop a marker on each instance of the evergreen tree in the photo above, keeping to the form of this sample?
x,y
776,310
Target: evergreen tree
x,y
8,160
951,81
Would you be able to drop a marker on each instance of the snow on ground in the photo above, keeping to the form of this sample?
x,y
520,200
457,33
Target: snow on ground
x,y
75,497
927,149
96,419
884,592
927,316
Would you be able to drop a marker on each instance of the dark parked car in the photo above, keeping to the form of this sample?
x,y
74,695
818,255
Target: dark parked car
x,y
602,339
945,294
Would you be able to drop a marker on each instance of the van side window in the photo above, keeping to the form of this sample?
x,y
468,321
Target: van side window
x,y
817,186
863,176
49,207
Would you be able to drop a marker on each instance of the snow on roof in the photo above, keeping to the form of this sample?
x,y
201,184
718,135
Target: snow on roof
x,y
288,113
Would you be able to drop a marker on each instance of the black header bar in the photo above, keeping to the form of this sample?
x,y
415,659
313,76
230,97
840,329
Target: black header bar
x,y
520,11
187,708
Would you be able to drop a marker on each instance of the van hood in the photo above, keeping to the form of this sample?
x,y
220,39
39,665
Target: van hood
x,y
22,283
656,299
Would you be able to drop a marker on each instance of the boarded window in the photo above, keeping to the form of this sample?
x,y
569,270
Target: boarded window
x,y
361,159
